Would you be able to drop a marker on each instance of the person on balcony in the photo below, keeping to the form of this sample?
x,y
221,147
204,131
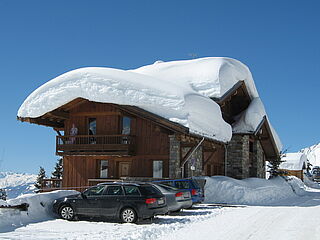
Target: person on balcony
x,y
73,132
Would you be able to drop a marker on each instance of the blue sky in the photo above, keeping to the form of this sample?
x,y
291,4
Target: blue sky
x,y
278,40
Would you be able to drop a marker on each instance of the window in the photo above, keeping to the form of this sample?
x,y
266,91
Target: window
x,y
104,164
149,190
131,190
94,191
157,169
126,125
114,190
92,126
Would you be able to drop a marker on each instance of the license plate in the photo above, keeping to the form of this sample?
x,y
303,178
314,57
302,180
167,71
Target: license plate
x,y
160,201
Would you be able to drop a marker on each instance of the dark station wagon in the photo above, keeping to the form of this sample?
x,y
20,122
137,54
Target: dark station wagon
x,y
127,202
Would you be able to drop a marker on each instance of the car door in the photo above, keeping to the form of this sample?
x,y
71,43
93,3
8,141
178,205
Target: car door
x,y
89,205
111,200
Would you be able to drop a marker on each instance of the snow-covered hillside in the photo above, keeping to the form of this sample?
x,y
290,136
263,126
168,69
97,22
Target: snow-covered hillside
x,y
313,154
16,184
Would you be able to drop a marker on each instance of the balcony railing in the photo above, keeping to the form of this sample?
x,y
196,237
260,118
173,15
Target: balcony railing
x,y
95,145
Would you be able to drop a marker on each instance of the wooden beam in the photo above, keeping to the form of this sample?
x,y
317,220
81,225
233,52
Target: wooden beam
x,y
42,121
58,114
188,153
92,114
208,159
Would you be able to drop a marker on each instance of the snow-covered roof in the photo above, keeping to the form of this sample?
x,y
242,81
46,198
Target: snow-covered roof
x,y
179,91
210,76
249,120
293,161
174,102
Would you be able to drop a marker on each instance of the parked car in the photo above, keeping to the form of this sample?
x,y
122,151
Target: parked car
x,y
177,199
189,184
127,202
316,174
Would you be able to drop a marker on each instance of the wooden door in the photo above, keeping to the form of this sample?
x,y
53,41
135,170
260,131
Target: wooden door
x,y
124,169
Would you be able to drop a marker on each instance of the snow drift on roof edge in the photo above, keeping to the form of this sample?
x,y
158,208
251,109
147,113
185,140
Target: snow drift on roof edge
x,y
249,120
175,103
210,76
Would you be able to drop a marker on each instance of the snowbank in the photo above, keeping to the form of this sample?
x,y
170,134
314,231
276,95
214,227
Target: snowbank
x,y
40,209
310,183
251,191
293,161
16,184
177,103
3,203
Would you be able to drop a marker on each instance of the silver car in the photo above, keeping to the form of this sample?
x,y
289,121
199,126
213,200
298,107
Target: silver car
x,y
177,199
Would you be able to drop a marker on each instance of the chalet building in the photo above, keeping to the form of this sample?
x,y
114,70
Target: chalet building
x,y
108,128
294,164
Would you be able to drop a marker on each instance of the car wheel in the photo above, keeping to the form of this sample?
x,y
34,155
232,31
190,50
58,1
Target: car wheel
x,y
128,215
66,212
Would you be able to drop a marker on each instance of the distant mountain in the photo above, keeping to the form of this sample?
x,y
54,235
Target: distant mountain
x,y
313,154
16,184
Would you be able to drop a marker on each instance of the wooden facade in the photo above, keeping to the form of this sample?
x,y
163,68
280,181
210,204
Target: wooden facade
x,y
118,141
104,149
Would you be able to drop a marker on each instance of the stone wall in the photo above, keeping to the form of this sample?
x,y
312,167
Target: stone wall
x,y
174,157
238,158
260,160
195,160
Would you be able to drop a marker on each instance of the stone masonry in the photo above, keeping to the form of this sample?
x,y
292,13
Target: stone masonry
x,y
174,157
195,160
238,158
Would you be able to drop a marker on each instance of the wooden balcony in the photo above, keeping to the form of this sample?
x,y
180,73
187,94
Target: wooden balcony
x,y
113,145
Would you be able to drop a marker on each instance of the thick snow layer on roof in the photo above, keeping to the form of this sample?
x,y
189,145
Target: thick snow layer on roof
x,y
293,161
211,76
249,120
177,103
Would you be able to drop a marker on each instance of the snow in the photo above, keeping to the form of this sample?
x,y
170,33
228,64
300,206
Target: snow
x,y
249,120
291,213
313,154
289,208
40,209
176,103
293,161
16,184
210,76
251,191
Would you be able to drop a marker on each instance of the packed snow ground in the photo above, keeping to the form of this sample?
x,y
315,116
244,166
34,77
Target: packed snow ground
x,y
293,215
